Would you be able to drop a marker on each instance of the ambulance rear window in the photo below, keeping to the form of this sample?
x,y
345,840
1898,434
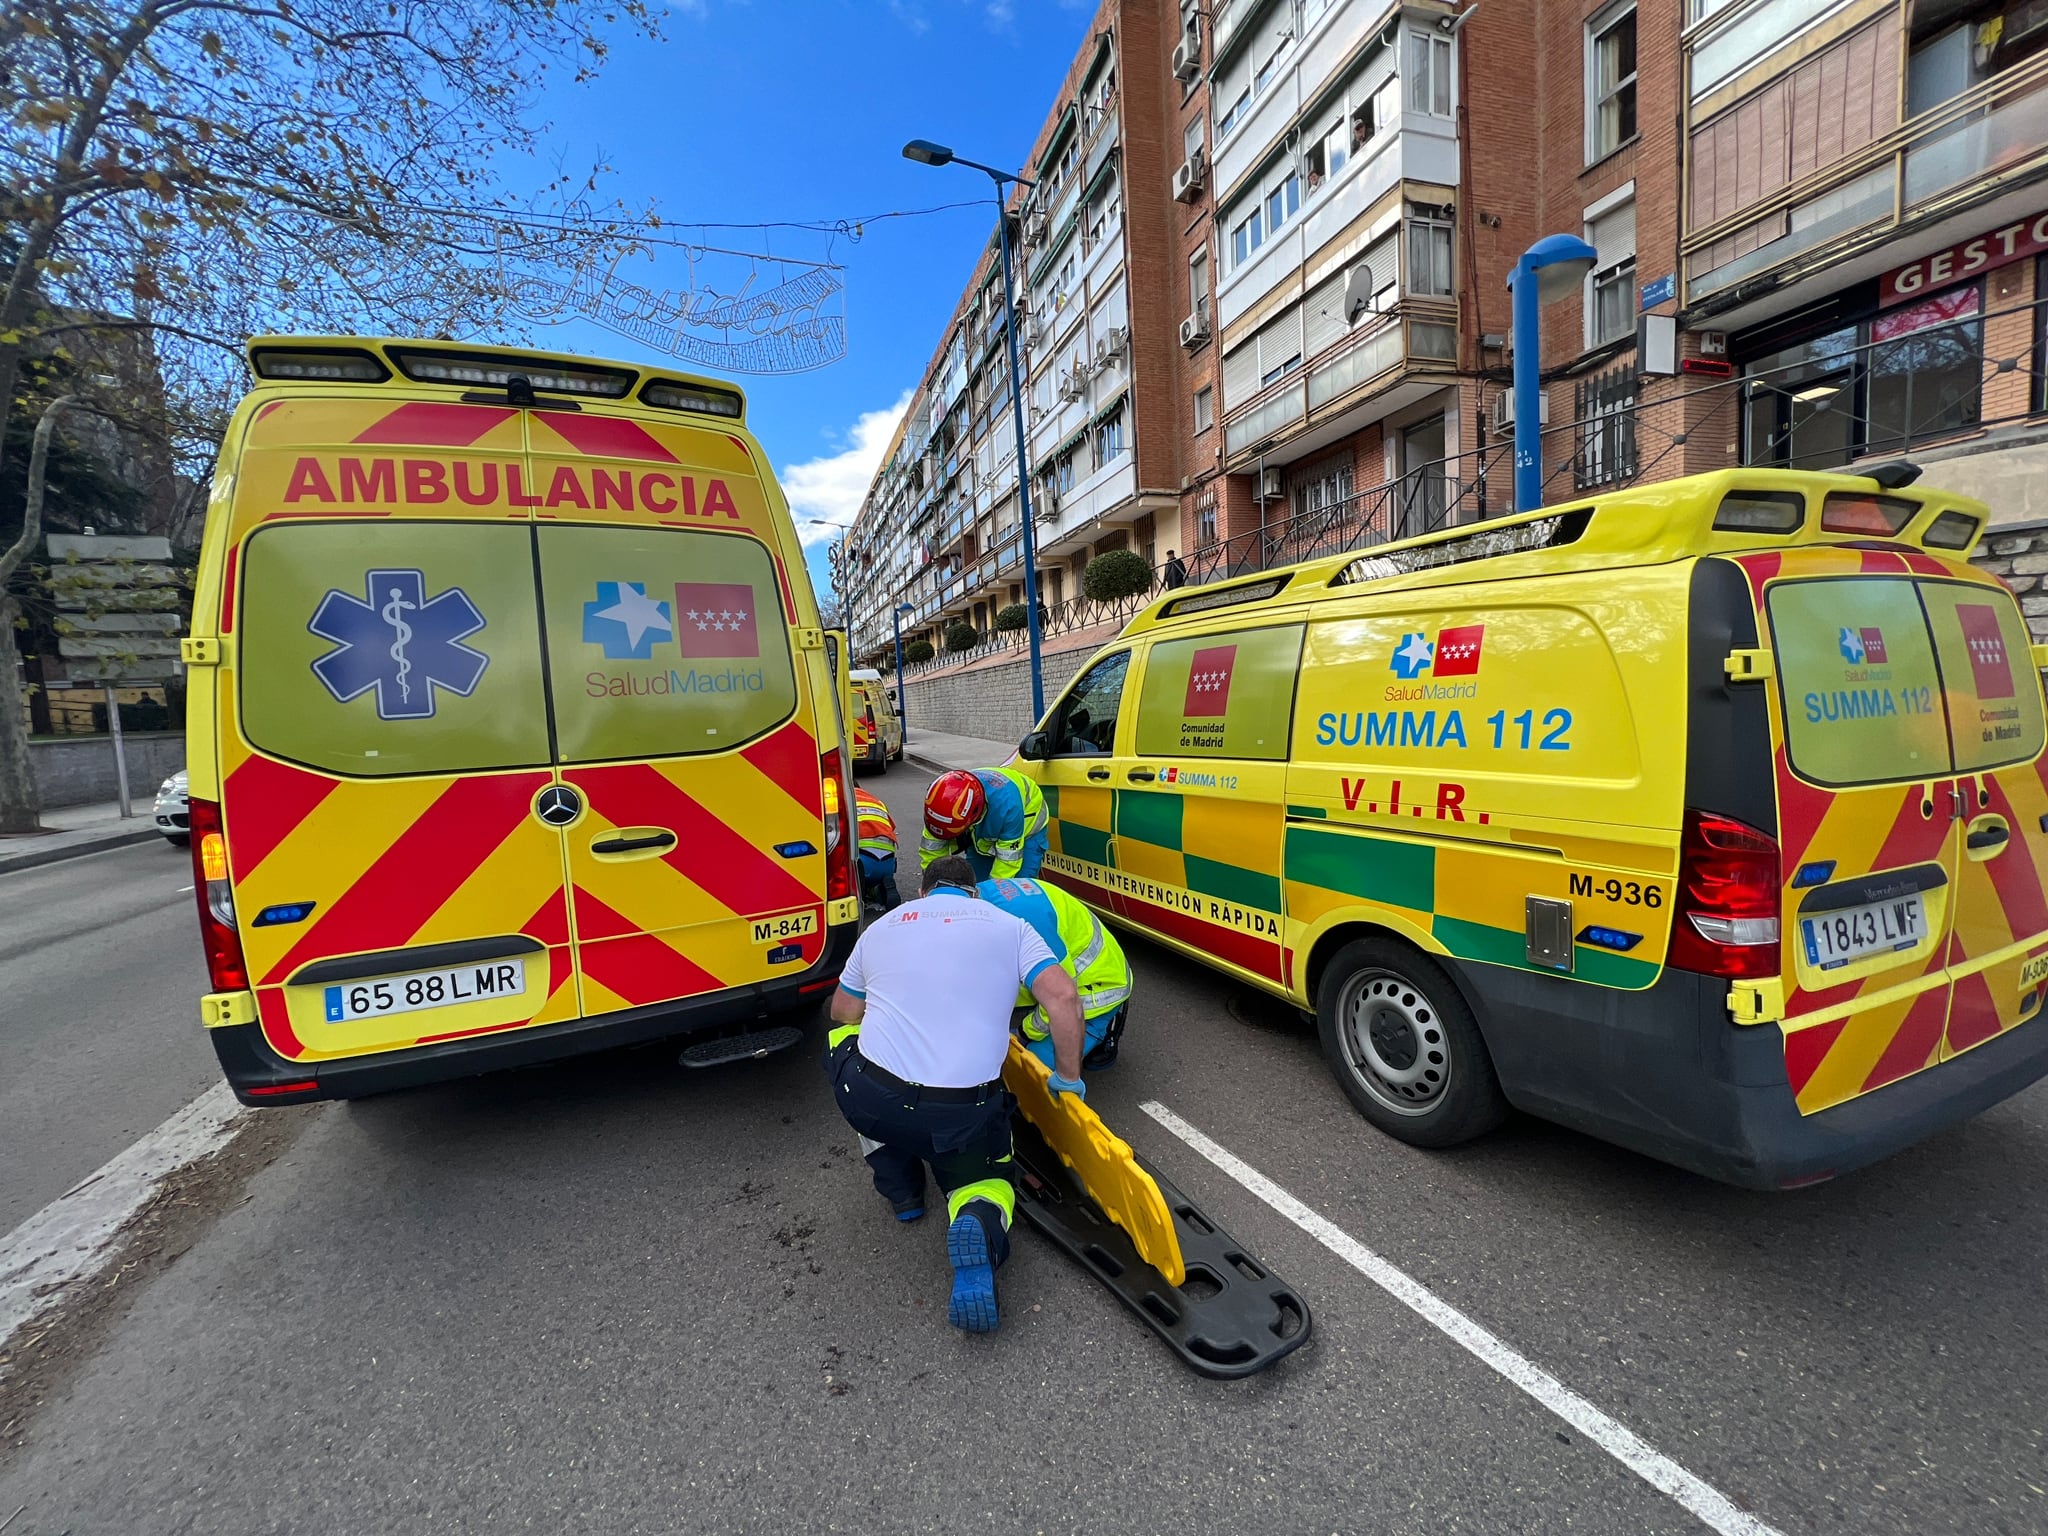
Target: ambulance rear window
x,y
393,648
1890,678
662,642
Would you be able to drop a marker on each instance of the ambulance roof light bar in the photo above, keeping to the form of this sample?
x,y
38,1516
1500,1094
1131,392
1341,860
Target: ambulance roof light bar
x,y
340,365
539,373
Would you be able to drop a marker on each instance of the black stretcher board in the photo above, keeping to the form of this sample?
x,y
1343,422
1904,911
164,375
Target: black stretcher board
x,y
1233,1317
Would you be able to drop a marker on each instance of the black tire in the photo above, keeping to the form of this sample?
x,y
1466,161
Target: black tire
x,y
1403,1045
881,762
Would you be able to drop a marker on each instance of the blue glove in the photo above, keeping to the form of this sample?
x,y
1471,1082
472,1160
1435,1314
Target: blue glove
x,y
1073,1085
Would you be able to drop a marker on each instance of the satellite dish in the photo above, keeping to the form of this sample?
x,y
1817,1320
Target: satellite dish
x,y
1357,293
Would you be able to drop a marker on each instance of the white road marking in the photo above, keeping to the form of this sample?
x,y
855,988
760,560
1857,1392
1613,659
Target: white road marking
x,y
183,889
1714,1508
70,1236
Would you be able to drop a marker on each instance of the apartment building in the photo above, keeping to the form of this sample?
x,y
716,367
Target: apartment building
x,y
1821,230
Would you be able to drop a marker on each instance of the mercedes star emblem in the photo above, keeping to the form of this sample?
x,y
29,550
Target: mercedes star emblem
x,y
558,805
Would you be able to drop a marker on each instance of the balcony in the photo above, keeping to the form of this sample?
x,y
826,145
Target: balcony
x,y
1416,342
1944,163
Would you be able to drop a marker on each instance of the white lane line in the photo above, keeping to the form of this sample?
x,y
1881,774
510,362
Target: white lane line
x,y
68,1237
1713,1507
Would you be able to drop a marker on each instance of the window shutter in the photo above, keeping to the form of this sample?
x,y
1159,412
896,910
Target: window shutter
x,y
1613,235
1322,315
1241,373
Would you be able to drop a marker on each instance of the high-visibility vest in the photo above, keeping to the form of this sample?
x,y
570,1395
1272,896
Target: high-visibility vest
x,y
877,828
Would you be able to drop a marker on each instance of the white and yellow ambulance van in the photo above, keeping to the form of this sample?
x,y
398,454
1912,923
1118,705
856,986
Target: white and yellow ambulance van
x,y
512,732
1708,817
877,728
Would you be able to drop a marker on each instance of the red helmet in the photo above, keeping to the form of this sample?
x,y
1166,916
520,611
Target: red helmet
x,y
954,803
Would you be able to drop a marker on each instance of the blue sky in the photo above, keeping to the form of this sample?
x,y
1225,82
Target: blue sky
x,y
766,110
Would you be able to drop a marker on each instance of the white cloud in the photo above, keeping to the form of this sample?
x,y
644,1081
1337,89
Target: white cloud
x,y
833,486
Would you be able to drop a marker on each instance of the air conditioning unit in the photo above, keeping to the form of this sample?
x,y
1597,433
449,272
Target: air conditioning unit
x,y
1269,485
1504,409
1073,385
1195,328
1187,178
1102,353
1187,56
1118,340
1034,228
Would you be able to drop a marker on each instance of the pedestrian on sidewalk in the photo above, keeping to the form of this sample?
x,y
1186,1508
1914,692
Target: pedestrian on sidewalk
x,y
921,1026
995,816
1176,572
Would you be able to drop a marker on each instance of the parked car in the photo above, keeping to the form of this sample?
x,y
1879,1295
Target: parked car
x,y
172,817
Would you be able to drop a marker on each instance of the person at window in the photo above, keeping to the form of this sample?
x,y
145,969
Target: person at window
x,y
996,817
921,1028
1176,574
1086,951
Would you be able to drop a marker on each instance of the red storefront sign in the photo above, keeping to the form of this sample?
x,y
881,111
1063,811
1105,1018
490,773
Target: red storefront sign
x,y
1964,260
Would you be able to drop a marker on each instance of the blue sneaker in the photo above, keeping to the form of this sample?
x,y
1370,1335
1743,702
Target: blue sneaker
x,y
908,1210
974,1277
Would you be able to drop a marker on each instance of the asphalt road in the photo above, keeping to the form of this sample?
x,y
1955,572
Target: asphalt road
x,y
617,1297
100,981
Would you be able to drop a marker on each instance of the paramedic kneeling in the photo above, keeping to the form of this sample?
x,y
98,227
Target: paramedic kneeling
x,y
921,1025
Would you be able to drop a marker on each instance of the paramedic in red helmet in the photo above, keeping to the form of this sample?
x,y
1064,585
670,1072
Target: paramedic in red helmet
x,y
995,816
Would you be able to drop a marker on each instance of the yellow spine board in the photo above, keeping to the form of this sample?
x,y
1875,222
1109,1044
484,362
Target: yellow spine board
x,y
1101,1159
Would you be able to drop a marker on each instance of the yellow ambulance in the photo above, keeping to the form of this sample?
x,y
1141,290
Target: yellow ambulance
x,y
512,732
877,728
1707,817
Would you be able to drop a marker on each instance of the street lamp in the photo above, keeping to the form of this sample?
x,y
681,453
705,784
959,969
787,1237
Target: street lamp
x,y
903,693
1550,269
925,152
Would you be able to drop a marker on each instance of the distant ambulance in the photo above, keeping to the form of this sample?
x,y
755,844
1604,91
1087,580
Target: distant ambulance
x,y
1708,817
512,733
877,728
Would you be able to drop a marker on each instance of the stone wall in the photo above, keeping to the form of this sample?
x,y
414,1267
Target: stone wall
x,y
2017,554
993,700
79,770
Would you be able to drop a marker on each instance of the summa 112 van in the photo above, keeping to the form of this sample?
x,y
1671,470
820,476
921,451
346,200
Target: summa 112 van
x,y
512,733
1708,817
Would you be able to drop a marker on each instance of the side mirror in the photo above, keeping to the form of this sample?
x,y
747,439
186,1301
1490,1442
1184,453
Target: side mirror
x,y
1034,748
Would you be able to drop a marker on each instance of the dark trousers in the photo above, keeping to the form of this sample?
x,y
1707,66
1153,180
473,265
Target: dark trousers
x,y
964,1143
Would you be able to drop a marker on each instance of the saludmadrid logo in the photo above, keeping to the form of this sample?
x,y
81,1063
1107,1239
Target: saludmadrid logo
x,y
619,685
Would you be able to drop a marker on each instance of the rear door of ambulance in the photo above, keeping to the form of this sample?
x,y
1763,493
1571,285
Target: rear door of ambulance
x,y
1910,828
384,744
682,708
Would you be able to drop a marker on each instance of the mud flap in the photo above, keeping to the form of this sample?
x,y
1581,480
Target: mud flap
x,y
1216,1306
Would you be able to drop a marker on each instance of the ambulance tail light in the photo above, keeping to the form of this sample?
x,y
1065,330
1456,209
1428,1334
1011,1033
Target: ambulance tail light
x,y
839,882
1726,922
224,963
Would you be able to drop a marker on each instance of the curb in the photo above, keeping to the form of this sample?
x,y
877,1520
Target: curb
x,y
35,858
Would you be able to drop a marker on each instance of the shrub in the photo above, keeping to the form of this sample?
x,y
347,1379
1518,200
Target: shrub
x,y
1011,616
1119,573
961,636
918,650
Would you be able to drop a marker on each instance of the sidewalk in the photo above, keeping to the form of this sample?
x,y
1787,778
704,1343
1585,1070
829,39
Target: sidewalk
x,y
77,830
937,751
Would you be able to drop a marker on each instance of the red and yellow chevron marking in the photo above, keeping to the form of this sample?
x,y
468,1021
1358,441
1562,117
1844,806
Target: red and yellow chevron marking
x,y
653,929
1889,1019
390,864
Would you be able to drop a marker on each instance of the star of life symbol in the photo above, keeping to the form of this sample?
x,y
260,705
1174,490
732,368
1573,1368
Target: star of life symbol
x,y
1413,654
1852,646
398,642
625,621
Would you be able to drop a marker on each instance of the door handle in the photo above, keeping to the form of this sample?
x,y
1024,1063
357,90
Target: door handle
x,y
1100,775
635,840
1141,775
1987,837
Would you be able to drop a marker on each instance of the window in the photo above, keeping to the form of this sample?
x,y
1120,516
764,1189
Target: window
x,y
1326,158
1246,238
1429,252
1323,488
1611,291
1606,414
1228,695
1429,74
1198,281
1276,374
1283,202
1109,437
1235,115
1061,476
1205,519
1610,82
1083,724
1268,69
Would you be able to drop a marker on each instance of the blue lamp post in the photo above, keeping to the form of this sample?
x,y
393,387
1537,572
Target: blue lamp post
x,y
1549,270
902,693
925,152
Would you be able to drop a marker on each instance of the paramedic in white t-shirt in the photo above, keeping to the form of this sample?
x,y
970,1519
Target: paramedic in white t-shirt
x,y
921,1026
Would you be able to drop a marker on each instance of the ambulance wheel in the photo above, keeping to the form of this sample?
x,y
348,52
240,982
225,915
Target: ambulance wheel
x,y
1404,1046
